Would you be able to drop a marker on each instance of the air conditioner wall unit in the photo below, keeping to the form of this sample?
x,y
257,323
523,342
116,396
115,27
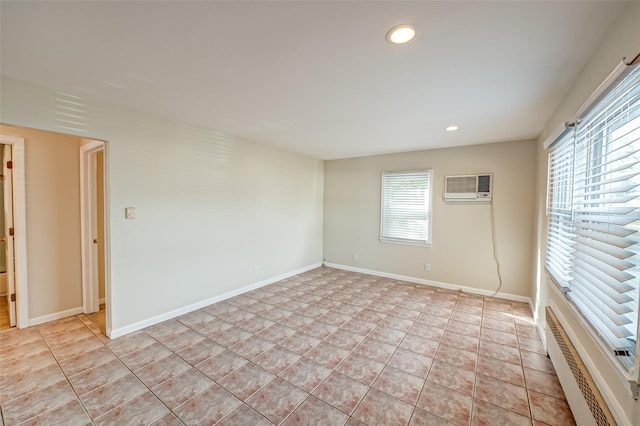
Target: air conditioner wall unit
x,y
468,188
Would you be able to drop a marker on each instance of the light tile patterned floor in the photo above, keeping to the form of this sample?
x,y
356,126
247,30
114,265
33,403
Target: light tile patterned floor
x,y
326,347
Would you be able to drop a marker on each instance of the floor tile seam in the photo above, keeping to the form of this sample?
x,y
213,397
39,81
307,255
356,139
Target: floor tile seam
x,y
350,352
40,387
145,347
535,367
103,415
4,346
281,421
415,408
113,342
546,394
66,378
298,406
475,379
101,365
13,376
231,413
16,345
396,350
504,381
40,326
365,396
499,359
120,404
529,405
120,378
434,354
205,336
154,362
185,402
530,417
340,409
54,407
218,382
393,396
528,389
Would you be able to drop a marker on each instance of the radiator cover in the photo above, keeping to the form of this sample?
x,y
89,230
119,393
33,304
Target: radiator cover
x,y
599,409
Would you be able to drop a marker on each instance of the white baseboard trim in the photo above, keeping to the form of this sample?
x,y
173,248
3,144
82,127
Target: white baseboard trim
x,y
478,291
55,316
118,332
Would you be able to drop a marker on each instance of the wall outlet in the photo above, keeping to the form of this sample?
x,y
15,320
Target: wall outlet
x,y
427,267
256,270
130,212
356,257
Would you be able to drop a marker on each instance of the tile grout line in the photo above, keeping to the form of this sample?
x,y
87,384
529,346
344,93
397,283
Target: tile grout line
x,y
66,378
354,295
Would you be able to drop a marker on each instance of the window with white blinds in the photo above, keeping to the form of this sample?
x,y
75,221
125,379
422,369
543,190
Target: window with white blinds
x,y
406,207
559,210
594,215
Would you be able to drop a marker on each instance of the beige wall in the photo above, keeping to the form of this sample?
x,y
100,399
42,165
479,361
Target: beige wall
x,y
622,41
461,253
52,181
209,207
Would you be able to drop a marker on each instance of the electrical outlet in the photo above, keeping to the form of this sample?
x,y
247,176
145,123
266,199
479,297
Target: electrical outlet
x,y
427,267
130,213
356,257
256,270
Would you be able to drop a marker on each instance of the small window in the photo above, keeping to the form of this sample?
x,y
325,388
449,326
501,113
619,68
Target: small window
x,y
406,207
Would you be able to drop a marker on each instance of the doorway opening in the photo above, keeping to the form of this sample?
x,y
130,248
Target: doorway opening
x,y
7,283
94,245
13,235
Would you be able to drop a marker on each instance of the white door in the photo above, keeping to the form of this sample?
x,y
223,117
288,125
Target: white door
x,y
7,166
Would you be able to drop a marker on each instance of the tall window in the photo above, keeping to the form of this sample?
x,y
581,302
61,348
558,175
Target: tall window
x,y
594,216
406,207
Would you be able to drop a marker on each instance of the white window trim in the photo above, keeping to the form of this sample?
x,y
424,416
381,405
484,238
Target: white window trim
x,y
406,242
631,376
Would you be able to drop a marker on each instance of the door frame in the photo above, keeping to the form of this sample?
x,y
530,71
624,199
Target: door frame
x,y
20,225
9,238
88,227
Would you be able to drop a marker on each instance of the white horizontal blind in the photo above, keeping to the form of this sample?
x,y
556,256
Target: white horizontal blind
x,y
405,211
601,242
560,201
606,213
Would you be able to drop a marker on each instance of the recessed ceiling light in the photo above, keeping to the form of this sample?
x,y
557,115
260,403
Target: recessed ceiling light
x,y
401,34
451,128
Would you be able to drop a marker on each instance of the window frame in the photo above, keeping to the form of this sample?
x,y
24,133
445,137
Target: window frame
x,y
591,146
428,206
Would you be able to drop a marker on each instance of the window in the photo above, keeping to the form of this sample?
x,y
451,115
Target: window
x,y
406,207
593,236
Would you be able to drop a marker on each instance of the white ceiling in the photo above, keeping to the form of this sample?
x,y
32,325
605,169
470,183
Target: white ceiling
x,y
315,78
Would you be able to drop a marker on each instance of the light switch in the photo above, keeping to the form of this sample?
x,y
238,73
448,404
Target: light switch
x,y
130,213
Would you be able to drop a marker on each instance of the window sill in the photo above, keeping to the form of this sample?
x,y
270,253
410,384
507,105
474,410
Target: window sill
x,y
405,242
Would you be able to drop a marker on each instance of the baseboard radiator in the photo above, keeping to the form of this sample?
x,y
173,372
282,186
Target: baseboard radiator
x,y
601,413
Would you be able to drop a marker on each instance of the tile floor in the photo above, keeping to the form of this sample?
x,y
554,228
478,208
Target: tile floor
x,y
326,347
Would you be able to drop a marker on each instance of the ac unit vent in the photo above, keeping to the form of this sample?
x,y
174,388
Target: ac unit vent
x,y
468,188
